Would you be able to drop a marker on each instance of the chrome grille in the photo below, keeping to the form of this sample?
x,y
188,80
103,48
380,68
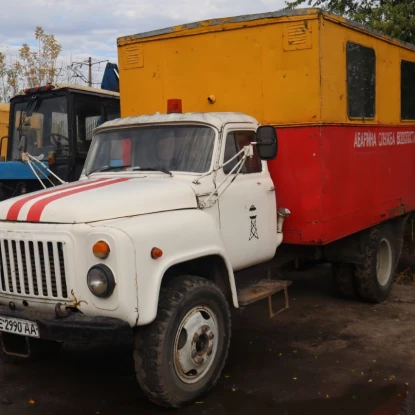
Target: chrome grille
x,y
33,268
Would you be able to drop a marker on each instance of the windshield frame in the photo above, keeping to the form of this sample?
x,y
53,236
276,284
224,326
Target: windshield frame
x,y
103,129
25,99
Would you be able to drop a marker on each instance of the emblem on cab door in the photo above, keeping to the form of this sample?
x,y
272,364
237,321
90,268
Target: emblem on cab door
x,y
254,229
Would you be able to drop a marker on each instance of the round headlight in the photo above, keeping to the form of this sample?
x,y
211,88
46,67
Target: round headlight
x,y
101,281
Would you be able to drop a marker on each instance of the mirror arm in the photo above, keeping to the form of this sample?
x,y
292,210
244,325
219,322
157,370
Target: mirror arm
x,y
247,151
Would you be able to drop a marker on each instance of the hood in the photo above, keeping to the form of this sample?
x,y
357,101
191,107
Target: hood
x,y
100,199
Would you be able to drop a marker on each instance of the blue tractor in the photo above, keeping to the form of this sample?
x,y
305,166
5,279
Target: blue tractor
x,y
53,124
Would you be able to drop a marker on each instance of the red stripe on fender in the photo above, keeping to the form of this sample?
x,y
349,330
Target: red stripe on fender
x,y
16,207
35,212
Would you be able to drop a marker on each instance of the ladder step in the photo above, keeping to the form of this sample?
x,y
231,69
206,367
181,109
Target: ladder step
x,y
262,289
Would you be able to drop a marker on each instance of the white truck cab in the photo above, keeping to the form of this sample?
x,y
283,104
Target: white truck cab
x,y
145,246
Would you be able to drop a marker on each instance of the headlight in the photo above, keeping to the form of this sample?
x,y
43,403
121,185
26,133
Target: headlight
x,y
101,281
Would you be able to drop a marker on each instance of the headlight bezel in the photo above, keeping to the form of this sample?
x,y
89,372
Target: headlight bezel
x,y
110,280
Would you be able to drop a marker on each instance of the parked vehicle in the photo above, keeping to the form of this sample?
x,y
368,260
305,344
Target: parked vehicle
x,y
4,126
148,246
54,124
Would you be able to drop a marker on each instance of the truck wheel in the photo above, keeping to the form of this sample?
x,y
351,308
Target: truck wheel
x,y
343,279
180,356
375,276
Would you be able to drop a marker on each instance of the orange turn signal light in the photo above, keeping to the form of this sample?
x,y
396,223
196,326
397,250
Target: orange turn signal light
x,y
156,253
101,250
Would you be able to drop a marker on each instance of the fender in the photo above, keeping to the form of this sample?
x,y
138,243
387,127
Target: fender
x,y
182,235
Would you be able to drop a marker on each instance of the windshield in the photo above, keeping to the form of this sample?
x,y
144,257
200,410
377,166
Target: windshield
x,y
44,123
168,148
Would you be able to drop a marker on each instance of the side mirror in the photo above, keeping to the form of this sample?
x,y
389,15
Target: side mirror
x,y
267,146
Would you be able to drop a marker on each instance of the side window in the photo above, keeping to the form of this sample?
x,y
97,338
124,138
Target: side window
x,y
361,81
112,109
235,142
88,117
407,90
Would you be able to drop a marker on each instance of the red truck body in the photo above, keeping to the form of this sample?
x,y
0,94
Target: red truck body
x,y
338,180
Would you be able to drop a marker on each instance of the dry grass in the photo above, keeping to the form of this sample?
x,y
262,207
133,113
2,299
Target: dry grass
x,y
406,277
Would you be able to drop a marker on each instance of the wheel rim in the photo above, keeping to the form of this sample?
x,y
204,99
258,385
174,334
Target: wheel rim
x,y
384,262
195,345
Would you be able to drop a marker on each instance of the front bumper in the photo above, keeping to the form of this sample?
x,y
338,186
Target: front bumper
x,y
75,327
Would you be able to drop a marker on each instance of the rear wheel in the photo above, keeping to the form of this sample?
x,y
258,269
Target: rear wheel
x,y
180,356
375,276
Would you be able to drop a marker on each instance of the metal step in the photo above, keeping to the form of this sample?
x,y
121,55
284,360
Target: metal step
x,y
264,289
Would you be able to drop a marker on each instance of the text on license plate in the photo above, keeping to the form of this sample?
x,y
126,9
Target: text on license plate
x,y
18,326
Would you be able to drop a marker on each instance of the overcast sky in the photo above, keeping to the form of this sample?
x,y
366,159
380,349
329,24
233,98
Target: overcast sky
x,y
90,27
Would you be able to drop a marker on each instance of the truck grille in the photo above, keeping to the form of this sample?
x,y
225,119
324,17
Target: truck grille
x,y
33,269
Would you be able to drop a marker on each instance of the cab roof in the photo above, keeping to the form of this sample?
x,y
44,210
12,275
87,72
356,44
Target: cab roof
x,y
81,88
217,119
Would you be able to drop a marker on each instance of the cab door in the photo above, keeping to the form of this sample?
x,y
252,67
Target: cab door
x,y
248,217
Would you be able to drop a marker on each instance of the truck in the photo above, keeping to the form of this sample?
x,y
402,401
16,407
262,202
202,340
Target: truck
x,y
4,127
54,124
245,142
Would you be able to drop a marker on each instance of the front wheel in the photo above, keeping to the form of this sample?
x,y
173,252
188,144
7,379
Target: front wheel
x,y
180,356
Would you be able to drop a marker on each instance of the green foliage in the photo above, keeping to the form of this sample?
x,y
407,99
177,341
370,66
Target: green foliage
x,y
392,17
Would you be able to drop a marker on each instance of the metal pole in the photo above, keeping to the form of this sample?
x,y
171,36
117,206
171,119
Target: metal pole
x,y
89,72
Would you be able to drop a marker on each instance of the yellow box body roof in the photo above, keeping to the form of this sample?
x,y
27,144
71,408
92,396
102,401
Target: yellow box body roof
x,y
283,68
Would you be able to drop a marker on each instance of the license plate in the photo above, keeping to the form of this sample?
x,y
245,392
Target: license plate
x,y
18,326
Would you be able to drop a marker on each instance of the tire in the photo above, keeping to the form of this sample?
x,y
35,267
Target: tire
x,y
344,279
171,378
375,276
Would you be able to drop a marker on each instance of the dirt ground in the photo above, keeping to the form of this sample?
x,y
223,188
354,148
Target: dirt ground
x,y
323,356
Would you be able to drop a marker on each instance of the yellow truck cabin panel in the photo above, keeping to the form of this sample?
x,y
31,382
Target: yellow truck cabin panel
x,y
4,127
276,56
283,68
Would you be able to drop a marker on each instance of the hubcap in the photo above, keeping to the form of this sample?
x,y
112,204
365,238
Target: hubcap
x,y
384,262
195,345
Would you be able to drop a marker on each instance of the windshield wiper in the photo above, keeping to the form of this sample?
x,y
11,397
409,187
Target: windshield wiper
x,y
165,171
107,168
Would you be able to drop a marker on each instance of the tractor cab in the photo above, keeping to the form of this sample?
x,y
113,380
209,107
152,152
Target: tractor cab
x,y
54,125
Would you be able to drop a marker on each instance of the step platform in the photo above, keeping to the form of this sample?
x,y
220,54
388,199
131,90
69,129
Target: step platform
x,y
265,288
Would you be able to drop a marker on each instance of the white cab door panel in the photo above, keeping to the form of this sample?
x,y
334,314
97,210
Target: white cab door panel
x,y
247,208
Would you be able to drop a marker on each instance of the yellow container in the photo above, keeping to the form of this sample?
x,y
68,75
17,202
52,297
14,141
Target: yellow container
x,y
283,68
4,127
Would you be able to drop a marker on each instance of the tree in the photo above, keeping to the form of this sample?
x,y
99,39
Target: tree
x,y
10,76
392,17
33,65
39,67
